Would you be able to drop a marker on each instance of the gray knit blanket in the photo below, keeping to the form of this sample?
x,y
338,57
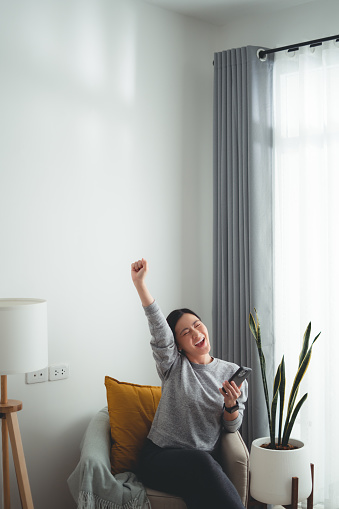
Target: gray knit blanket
x,y
92,484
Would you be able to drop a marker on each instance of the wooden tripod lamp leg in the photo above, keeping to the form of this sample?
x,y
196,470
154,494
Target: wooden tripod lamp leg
x,y
10,426
5,450
19,461
5,465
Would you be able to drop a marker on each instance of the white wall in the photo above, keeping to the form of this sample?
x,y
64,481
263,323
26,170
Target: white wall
x,y
305,22
105,156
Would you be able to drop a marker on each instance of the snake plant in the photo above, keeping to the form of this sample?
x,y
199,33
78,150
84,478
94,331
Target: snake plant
x,y
279,387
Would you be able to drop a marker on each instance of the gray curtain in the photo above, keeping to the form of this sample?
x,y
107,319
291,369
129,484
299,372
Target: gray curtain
x,y
243,260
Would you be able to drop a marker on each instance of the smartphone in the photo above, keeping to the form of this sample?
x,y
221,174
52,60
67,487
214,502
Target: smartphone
x,y
239,376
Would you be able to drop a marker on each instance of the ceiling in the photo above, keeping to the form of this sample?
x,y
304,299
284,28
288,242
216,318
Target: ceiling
x,y
221,12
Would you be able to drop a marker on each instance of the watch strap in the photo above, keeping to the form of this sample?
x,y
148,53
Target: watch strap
x,y
232,409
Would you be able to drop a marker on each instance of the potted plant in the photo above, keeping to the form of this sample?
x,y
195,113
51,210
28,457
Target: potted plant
x,y
274,460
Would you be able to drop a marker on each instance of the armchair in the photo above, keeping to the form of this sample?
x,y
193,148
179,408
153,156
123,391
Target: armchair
x,y
95,460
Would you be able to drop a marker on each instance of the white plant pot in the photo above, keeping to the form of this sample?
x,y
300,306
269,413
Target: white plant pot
x,y
272,472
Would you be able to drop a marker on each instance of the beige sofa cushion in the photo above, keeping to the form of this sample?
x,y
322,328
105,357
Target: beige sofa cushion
x,y
160,500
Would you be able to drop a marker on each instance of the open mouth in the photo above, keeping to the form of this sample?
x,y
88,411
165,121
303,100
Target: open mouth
x,y
200,343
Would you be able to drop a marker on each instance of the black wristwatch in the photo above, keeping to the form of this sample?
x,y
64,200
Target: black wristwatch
x,y
232,409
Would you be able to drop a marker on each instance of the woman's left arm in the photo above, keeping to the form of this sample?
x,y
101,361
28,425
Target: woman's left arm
x,y
231,393
233,396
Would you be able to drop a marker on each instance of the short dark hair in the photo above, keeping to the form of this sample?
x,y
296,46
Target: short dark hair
x,y
175,315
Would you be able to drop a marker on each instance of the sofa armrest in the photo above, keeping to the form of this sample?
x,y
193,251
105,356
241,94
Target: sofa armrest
x,y
235,462
96,443
95,457
92,483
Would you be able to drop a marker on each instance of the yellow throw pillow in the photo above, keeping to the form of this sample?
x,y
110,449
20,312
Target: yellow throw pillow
x,y
131,409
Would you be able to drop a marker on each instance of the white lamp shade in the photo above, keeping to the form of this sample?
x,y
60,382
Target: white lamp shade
x,y
23,335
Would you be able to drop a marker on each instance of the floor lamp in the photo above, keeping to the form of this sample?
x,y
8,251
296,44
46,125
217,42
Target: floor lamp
x,y
23,348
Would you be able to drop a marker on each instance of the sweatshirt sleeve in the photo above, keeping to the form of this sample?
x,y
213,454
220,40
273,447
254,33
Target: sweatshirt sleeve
x,y
164,348
233,426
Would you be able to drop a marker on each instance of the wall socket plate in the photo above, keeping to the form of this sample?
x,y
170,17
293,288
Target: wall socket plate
x,y
58,372
35,377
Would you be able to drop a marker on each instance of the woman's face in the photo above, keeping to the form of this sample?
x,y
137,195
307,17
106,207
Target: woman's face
x,y
192,338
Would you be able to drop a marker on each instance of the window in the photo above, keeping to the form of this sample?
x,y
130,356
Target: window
x,y
306,194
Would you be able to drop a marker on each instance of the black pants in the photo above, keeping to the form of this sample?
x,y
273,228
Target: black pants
x,y
195,476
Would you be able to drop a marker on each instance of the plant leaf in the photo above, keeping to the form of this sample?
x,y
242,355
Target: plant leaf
x,y
293,418
255,329
295,388
264,381
276,385
282,388
258,329
305,343
300,374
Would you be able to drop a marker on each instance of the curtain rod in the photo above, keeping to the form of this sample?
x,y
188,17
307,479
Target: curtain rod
x,y
295,47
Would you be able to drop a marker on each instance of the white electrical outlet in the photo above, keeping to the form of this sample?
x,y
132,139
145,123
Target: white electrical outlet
x,y
35,377
58,372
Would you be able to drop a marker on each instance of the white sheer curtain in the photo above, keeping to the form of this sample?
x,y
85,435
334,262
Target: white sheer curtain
x,y
306,103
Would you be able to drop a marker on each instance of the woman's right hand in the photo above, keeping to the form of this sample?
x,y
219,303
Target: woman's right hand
x,y
139,270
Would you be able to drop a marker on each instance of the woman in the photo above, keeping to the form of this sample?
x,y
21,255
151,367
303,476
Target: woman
x,y
180,454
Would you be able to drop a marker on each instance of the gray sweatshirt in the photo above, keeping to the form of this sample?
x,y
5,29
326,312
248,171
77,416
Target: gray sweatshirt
x,y
190,411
